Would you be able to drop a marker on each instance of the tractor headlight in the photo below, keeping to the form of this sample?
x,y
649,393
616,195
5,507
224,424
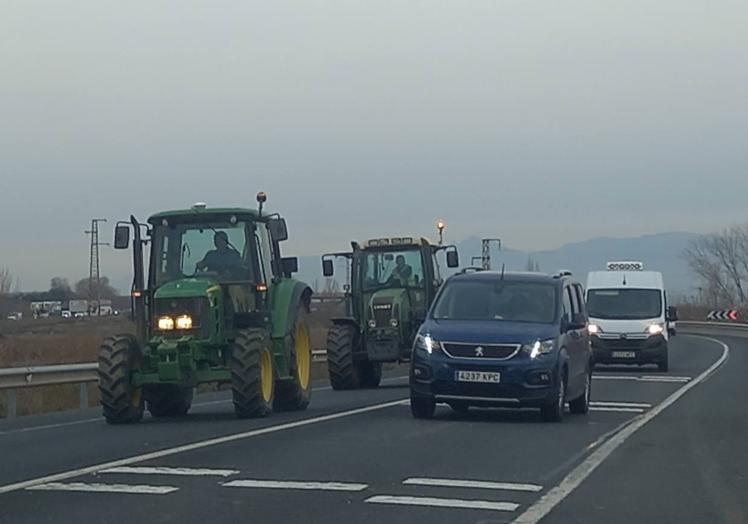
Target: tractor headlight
x,y
165,323
372,323
184,322
394,322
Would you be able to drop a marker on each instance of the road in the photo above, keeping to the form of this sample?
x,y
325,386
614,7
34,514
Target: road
x,y
656,448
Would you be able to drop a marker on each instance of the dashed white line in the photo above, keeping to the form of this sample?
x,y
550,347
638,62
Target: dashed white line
x,y
621,404
196,472
291,484
104,488
443,503
477,484
616,410
195,445
643,378
553,497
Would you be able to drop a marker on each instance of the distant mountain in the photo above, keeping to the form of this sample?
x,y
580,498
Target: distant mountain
x,y
660,252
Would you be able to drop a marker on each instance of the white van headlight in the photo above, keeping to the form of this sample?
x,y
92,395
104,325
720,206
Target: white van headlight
x,y
593,329
655,329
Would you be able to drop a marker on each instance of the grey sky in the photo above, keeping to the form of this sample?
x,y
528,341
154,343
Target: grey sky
x,y
363,118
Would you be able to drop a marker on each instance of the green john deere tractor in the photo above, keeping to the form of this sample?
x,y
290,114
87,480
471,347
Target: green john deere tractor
x,y
392,284
219,306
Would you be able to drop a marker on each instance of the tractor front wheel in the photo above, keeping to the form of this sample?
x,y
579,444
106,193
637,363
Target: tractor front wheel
x,y
167,400
121,402
370,373
295,394
252,374
343,372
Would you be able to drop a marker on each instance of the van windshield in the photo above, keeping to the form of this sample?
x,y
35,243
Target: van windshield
x,y
624,304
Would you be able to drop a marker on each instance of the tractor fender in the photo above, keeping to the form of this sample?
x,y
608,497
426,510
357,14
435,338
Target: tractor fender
x,y
286,298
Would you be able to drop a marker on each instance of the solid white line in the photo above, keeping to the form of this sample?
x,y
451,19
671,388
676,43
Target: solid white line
x,y
443,503
195,445
621,404
196,472
550,500
292,484
478,484
616,409
105,488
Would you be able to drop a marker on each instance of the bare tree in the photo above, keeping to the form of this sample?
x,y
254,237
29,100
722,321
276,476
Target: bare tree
x,y
720,261
6,281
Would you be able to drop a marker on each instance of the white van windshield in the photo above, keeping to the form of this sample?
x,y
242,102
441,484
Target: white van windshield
x,y
624,304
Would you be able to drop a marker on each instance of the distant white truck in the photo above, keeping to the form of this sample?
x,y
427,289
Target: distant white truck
x,y
78,308
630,321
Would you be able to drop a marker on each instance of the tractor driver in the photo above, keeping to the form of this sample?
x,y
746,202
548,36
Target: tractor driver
x,y
401,273
223,258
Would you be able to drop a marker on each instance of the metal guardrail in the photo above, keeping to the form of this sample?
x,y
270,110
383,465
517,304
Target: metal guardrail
x,y
12,379
701,323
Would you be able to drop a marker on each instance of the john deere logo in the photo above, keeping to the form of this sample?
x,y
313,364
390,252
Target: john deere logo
x,y
479,351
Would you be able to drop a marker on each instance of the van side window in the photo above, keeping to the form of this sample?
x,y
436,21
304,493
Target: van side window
x,y
580,298
566,305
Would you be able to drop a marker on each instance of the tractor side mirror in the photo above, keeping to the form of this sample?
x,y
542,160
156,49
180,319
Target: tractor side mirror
x,y
121,237
327,268
278,229
453,259
289,265
672,313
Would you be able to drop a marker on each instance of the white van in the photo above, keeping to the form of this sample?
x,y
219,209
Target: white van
x,y
629,318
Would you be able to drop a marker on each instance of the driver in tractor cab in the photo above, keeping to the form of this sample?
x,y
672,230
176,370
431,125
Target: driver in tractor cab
x,y
223,258
401,273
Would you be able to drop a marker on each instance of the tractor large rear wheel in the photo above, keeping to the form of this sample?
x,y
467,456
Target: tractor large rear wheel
x,y
168,400
295,394
343,372
252,374
121,402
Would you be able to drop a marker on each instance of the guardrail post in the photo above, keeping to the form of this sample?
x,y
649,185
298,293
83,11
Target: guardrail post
x,y
10,397
83,395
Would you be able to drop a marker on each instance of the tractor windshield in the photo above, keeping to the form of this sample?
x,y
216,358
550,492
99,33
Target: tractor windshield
x,y
213,250
383,269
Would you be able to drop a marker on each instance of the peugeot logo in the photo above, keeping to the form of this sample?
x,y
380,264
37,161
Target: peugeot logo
x,y
479,351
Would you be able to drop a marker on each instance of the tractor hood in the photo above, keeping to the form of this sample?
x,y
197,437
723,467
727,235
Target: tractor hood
x,y
386,304
188,287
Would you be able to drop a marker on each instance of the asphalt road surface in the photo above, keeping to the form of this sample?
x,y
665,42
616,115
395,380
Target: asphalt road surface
x,y
656,448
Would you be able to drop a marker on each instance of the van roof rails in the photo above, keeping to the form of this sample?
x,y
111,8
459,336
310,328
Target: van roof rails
x,y
471,269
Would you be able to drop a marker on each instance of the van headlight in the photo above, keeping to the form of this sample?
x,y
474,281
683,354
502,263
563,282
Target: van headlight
x,y
655,329
539,347
425,343
593,329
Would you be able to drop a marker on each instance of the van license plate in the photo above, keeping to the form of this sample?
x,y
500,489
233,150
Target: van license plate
x,y
478,376
624,354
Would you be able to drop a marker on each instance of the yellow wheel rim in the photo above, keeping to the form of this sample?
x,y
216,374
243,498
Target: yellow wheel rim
x,y
303,355
266,375
136,397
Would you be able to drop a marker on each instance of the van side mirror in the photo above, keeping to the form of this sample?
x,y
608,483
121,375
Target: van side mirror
x,y
278,229
453,259
121,236
327,268
672,313
289,265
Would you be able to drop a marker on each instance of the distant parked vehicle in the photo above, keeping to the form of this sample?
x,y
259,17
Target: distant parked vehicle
x,y
65,314
15,316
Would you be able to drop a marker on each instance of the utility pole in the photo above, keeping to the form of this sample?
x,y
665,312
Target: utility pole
x,y
486,251
94,274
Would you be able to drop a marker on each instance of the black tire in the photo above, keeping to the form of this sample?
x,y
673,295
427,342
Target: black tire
x,y
295,394
422,407
663,366
121,403
168,400
370,373
248,351
554,410
341,368
581,404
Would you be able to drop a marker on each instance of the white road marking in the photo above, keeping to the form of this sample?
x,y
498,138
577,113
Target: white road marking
x,y
443,503
195,445
616,409
478,484
552,498
291,484
196,472
621,404
104,488
643,378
